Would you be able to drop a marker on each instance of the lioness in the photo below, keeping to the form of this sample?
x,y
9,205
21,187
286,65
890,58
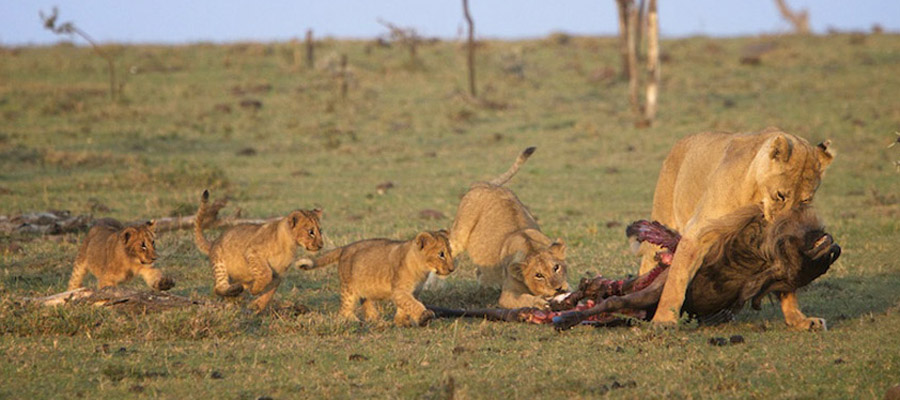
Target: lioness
x,y
254,256
504,241
710,175
378,269
750,259
114,253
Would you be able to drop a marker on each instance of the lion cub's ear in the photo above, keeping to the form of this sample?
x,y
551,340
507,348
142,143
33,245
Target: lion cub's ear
x,y
151,225
558,249
128,233
294,218
515,266
318,212
422,239
780,148
825,154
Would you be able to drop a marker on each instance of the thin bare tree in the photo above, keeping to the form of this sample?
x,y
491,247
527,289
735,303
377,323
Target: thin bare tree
x,y
799,19
69,28
470,44
640,21
310,44
405,36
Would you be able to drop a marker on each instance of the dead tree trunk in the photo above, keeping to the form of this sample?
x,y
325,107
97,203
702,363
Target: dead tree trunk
x,y
653,70
623,34
470,48
639,22
344,77
69,28
310,57
632,60
799,19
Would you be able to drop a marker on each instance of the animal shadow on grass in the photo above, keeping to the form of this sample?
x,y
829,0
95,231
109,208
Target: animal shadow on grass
x,y
838,299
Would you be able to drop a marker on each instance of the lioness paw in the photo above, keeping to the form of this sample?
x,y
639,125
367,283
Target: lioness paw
x,y
818,324
426,317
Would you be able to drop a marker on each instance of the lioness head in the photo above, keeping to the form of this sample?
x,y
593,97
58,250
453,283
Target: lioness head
x,y
543,271
788,172
305,228
139,242
434,248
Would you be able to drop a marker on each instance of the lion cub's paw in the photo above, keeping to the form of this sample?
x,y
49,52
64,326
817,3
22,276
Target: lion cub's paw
x,y
233,290
540,303
305,264
165,283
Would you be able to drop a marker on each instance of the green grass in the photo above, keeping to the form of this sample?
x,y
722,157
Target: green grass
x,y
64,146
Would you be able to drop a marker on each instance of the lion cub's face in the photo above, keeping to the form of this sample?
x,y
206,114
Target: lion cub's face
x,y
434,247
545,271
792,175
305,228
140,243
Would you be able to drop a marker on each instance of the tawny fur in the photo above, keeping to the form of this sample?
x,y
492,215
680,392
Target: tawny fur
x,y
710,175
381,269
254,257
503,239
114,253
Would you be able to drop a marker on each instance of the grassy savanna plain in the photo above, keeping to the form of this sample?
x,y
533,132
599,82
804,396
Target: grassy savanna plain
x,y
179,127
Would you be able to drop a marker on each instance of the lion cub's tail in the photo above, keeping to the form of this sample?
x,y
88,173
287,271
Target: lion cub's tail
x,y
201,242
506,176
330,257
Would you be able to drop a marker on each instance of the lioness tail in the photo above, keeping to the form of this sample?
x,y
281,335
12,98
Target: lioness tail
x,y
506,176
201,242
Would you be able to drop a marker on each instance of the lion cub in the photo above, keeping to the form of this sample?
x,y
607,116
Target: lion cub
x,y
378,269
504,241
115,253
255,256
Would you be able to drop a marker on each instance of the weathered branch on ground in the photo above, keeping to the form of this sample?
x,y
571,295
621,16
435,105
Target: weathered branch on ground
x,y
119,297
60,222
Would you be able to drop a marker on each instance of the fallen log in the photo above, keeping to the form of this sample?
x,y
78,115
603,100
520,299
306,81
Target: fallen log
x,y
121,298
58,222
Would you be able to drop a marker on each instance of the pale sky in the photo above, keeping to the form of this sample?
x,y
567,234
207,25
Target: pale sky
x,y
186,21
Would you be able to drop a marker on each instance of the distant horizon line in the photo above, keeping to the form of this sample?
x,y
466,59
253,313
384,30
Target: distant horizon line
x,y
79,42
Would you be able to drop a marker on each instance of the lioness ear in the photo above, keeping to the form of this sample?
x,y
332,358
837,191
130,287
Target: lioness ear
x,y
558,249
422,239
825,155
780,149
